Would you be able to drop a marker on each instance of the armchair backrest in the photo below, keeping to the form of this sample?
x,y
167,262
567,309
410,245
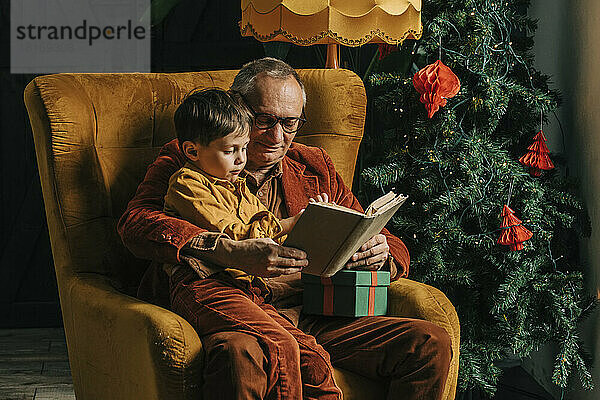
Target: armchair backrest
x,y
95,135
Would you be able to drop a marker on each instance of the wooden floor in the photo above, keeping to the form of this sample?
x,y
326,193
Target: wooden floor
x,y
34,365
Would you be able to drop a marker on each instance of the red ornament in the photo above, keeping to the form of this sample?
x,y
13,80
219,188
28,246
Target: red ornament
x,y
513,233
436,83
385,50
537,158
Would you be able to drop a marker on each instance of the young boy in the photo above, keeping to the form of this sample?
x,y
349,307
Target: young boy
x,y
213,129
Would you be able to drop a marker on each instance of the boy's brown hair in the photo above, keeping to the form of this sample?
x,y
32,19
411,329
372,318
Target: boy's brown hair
x,y
210,114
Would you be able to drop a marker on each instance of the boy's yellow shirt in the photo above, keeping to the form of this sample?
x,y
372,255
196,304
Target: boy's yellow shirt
x,y
219,205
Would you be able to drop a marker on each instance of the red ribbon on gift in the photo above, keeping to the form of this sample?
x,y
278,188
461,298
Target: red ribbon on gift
x,y
371,309
327,296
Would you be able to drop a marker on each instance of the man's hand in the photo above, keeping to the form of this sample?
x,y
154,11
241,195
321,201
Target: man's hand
x,y
371,256
259,257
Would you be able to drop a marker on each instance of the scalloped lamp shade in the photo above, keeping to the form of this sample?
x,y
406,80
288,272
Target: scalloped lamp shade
x,y
348,22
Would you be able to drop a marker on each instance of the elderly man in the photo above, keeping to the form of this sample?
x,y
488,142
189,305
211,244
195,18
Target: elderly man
x,y
258,343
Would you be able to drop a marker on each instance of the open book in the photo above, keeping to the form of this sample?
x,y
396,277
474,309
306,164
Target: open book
x,y
330,234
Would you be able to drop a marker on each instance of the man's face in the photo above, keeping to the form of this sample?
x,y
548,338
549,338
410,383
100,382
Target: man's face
x,y
280,97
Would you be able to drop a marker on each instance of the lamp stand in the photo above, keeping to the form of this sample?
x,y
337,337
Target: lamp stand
x,y
332,56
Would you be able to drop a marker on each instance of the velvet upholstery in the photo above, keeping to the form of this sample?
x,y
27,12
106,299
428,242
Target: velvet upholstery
x,y
94,135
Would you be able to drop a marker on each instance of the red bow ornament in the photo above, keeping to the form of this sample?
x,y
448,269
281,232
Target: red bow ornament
x,y
436,83
537,158
513,233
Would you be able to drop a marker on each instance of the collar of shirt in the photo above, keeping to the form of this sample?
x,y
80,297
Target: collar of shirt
x,y
252,177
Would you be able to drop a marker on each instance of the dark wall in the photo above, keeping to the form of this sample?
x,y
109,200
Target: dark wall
x,y
28,293
196,35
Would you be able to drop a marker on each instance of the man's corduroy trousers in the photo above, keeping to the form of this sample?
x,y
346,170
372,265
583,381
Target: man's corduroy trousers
x,y
253,352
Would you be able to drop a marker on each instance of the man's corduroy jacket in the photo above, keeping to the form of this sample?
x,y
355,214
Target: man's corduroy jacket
x,y
307,172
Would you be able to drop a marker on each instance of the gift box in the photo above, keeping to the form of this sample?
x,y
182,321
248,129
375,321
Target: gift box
x,y
347,293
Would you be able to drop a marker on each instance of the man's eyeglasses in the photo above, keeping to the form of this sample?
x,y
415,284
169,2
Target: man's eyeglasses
x,y
288,124
267,121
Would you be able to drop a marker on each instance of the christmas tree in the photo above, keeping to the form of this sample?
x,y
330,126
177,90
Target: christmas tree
x,y
498,241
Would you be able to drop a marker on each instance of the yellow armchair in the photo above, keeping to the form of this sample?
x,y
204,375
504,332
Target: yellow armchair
x,y
94,135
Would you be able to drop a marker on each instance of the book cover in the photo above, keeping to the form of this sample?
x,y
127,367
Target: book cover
x,y
330,233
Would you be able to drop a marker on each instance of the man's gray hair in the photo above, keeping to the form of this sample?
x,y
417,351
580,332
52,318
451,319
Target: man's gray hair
x,y
245,80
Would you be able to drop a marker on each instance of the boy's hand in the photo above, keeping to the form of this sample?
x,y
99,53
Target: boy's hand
x,y
288,223
322,198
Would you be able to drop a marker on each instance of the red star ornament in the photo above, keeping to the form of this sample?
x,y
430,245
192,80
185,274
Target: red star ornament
x,y
436,83
537,158
513,232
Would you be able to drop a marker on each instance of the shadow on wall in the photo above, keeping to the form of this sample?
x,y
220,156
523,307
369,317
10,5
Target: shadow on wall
x,y
566,48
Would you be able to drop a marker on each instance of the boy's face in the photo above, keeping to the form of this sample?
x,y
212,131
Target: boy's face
x,y
223,158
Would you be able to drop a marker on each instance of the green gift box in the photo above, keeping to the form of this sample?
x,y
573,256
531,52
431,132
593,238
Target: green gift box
x,y
347,293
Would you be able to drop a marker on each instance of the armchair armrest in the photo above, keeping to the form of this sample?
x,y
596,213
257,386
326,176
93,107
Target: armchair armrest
x,y
411,299
123,348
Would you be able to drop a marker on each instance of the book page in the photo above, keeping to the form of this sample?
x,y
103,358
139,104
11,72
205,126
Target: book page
x,y
382,203
376,204
338,207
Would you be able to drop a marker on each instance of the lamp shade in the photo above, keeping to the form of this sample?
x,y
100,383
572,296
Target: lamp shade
x,y
348,22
